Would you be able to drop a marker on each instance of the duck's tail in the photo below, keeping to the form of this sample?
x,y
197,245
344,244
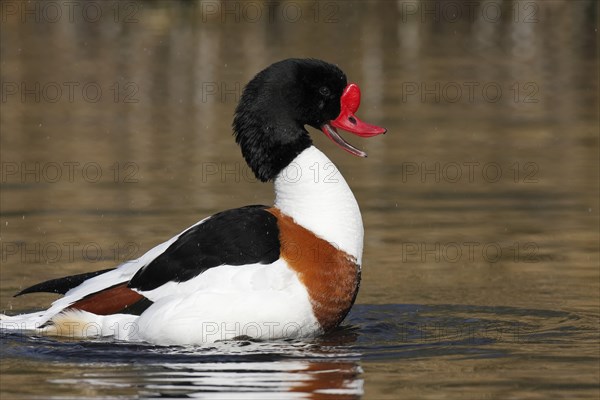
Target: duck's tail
x,y
72,323
24,322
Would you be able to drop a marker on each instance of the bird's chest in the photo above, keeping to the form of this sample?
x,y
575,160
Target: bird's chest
x,y
331,276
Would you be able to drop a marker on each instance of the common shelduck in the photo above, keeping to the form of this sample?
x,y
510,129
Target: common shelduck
x,y
289,270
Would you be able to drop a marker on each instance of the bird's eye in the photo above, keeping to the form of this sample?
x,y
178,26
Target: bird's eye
x,y
324,90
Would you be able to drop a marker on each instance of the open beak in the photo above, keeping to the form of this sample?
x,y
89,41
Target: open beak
x,y
349,122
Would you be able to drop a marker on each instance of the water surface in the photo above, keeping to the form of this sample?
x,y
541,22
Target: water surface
x,y
480,205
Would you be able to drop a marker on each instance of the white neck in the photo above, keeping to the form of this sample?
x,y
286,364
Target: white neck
x,y
314,193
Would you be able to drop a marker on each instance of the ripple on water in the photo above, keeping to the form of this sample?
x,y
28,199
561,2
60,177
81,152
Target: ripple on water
x,y
329,365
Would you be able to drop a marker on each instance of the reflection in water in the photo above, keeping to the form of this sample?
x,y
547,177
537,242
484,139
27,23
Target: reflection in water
x,y
280,379
242,369
522,323
245,380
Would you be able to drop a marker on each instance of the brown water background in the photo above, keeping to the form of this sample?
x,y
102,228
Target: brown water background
x,y
480,205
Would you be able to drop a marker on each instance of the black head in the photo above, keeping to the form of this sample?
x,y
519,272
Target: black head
x,y
277,104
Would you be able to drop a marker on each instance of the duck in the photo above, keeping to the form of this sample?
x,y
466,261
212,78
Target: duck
x,y
286,271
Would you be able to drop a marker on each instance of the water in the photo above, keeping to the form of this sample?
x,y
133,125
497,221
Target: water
x,y
411,350
480,206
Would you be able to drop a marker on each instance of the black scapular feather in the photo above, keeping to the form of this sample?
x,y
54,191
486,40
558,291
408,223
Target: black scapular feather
x,y
246,235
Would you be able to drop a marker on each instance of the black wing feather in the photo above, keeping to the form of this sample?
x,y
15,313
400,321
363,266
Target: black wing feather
x,y
61,285
240,236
